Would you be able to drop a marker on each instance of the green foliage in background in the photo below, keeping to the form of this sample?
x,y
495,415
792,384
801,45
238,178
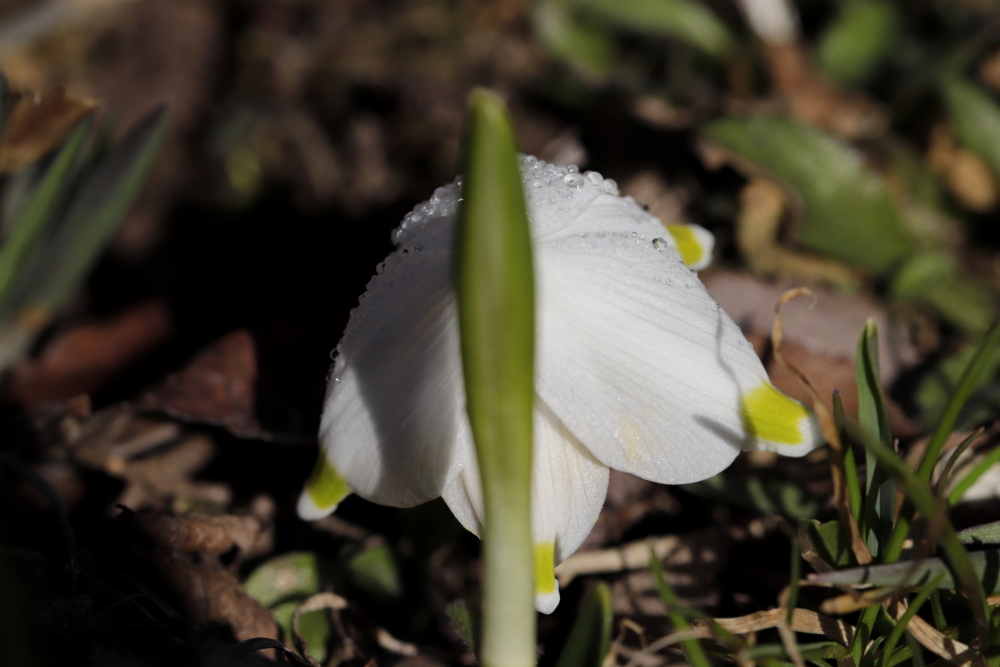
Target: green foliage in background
x,y
58,216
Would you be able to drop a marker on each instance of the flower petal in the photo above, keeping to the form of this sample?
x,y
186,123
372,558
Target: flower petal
x,y
694,243
393,425
568,487
639,361
324,490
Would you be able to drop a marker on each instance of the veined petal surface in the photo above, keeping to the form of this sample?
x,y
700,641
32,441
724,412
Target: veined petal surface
x,y
394,423
568,488
638,360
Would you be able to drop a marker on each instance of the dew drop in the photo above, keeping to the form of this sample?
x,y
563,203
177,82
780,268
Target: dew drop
x,y
659,243
573,180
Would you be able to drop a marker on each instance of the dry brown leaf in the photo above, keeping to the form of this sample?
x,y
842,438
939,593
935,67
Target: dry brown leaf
x,y
37,123
188,552
207,536
82,359
217,387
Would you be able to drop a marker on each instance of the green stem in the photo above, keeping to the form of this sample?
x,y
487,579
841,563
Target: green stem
x,y
495,289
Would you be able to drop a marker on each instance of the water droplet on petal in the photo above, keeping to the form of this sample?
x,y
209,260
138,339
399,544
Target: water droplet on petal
x,y
573,180
660,243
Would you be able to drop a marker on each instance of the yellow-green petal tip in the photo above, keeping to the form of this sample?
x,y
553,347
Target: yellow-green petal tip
x,y
546,590
323,491
694,244
778,423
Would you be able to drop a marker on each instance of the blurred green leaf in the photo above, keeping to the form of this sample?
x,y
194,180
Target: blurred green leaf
x,y
584,45
464,622
880,488
588,641
686,20
846,208
917,573
858,40
935,279
976,118
282,583
27,231
93,215
374,570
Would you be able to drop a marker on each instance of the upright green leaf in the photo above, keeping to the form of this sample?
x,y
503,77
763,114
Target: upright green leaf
x,y
496,314
95,211
585,45
858,40
29,228
880,489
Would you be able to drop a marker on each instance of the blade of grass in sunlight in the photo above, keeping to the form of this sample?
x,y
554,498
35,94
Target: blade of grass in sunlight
x,y
967,382
919,495
880,488
944,479
959,490
495,288
693,651
986,534
916,573
588,641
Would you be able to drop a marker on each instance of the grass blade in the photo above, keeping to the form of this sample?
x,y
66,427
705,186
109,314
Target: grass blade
x,y
95,212
31,222
873,417
693,651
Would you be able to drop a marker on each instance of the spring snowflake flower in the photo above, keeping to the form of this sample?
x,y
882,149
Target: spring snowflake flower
x,y
637,369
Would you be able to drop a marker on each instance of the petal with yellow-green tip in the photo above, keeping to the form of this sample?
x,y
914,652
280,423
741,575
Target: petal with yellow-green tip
x,y
777,423
568,487
324,490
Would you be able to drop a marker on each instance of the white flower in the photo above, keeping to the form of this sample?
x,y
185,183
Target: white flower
x,y
637,368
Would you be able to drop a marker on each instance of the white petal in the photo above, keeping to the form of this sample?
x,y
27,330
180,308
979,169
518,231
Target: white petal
x,y
393,425
568,489
639,361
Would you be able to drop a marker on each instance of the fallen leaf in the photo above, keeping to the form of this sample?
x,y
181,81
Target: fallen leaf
x,y
84,358
218,387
